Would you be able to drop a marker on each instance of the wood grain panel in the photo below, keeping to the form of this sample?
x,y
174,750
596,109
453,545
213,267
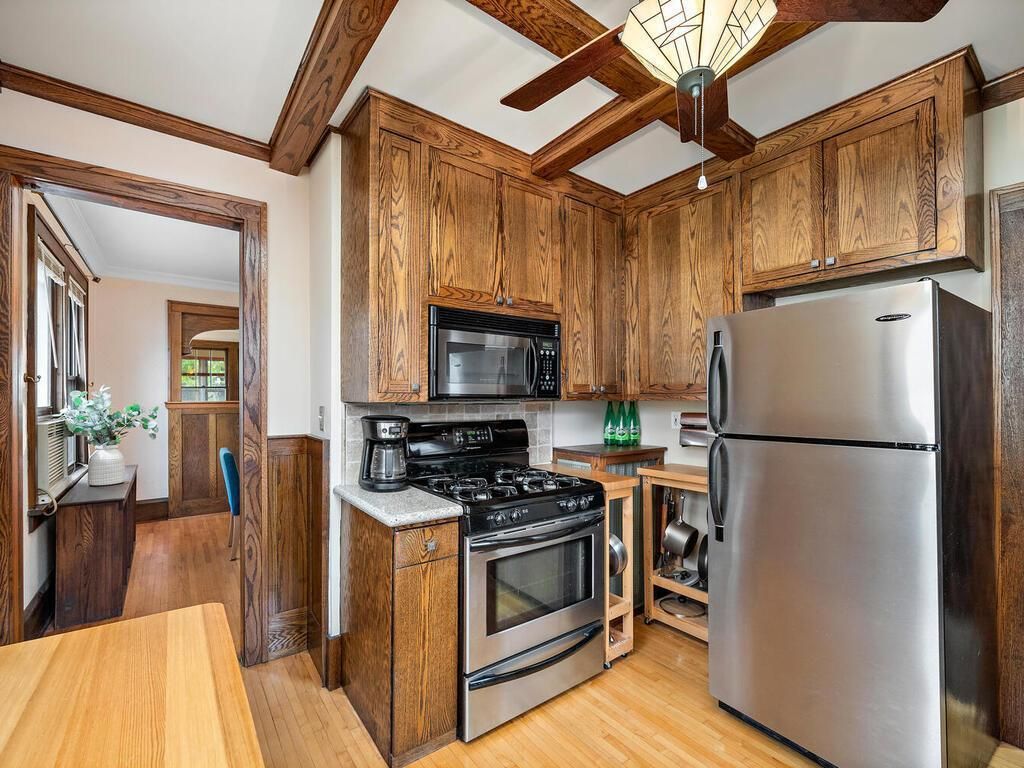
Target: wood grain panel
x,y
685,278
426,651
366,642
578,319
317,643
11,465
782,211
1003,90
195,456
463,230
608,327
196,433
78,97
426,543
1008,306
880,194
344,33
531,271
90,571
398,265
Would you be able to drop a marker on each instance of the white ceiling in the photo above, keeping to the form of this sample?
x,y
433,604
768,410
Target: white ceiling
x,y
141,246
229,63
448,57
226,63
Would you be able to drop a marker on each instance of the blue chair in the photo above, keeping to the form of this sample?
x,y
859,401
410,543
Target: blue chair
x,y
230,470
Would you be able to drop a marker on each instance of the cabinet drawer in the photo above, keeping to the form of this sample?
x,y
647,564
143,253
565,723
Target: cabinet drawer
x,y
421,545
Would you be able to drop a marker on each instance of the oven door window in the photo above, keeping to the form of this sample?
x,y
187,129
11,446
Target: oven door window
x,y
529,585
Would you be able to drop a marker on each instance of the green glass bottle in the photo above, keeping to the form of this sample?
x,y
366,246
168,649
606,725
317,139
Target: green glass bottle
x,y
622,426
610,421
634,423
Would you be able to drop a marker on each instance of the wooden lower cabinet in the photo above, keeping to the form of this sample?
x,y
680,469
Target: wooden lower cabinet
x,y
400,629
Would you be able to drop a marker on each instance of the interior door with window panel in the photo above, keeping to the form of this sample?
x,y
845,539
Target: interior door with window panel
x,y
529,247
782,211
464,258
880,188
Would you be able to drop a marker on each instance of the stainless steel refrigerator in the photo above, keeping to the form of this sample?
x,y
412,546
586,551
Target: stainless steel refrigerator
x,y
852,554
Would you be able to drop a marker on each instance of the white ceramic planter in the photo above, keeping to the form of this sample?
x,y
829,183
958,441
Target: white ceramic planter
x,y
106,466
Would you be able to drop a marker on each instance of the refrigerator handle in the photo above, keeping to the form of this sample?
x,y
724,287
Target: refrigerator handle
x,y
715,488
715,382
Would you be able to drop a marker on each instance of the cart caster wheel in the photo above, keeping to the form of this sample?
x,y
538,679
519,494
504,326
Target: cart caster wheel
x,y
607,665
647,621
625,655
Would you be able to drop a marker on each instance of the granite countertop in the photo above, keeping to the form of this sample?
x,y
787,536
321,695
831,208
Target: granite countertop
x,y
409,506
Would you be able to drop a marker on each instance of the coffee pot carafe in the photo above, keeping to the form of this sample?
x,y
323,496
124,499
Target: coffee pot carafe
x,y
384,448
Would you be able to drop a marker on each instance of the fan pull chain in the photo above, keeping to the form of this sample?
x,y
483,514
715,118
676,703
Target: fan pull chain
x,y
702,182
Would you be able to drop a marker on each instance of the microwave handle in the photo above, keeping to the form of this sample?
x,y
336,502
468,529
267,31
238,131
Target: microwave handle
x,y
533,361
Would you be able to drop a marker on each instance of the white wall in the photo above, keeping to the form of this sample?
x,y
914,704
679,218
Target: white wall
x,y
576,423
128,351
42,126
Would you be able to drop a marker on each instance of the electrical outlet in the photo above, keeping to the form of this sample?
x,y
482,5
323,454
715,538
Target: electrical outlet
x,y
676,418
321,413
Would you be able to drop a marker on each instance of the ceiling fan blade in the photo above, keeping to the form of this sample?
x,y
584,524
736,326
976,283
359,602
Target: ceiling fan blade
x,y
578,65
857,10
716,110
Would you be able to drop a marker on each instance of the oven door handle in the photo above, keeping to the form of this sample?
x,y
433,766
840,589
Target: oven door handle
x,y
488,680
489,545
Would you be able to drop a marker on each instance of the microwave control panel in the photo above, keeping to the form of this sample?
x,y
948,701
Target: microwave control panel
x,y
548,373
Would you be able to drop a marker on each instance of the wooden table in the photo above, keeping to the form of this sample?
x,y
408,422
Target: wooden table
x,y
162,690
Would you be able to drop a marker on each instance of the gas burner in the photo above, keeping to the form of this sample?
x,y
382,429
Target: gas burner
x,y
441,484
463,484
503,491
521,476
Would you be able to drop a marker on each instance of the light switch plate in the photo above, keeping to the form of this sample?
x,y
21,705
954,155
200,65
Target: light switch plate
x,y
676,416
320,412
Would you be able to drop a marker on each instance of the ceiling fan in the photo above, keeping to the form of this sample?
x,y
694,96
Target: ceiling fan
x,y
690,44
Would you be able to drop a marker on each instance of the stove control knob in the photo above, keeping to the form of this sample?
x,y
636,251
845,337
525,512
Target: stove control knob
x,y
571,505
515,515
500,519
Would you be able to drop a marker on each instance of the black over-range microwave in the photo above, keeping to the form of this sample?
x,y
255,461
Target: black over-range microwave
x,y
477,355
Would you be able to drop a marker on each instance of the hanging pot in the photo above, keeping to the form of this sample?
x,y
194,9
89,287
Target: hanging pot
x,y
702,560
618,557
680,537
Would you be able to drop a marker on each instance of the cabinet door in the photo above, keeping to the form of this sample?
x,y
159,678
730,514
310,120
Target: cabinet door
x,y
530,270
685,276
398,269
880,188
608,301
426,663
578,319
463,230
783,228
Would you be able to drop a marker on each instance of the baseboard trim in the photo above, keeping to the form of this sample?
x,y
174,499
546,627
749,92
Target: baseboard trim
x,y
332,662
151,509
39,612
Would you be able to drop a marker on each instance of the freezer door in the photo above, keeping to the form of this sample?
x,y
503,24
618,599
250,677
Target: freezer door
x,y
824,594
859,367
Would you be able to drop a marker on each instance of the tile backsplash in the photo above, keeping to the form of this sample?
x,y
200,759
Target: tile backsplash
x,y
536,414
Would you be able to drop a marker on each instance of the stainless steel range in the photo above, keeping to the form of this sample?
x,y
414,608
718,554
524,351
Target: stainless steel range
x,y
532,564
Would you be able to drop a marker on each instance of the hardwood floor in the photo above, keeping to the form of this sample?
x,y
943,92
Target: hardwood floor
x,y
651,709
181,562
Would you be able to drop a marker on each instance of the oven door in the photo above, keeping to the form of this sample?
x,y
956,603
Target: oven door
x,y
527,586
472,364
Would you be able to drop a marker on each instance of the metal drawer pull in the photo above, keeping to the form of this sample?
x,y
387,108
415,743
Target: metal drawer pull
x,y
509,302
815,263
830,261
500,300
431,545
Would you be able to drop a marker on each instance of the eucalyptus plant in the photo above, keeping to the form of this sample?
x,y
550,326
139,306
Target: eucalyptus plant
x,y
93,418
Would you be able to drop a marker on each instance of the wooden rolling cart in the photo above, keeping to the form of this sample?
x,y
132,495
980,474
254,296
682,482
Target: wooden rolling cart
x,y
618,609
684,477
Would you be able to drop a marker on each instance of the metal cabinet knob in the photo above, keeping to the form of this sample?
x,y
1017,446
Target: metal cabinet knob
x,y
431,545
500,300
593,388
509,301
830,261
415,387
815,263
602,389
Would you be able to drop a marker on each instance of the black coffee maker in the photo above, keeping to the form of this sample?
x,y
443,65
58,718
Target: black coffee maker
x,y
384,447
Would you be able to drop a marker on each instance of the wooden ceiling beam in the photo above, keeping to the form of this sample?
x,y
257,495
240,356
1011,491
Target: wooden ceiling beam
x,y
1003,90
78,97
344,32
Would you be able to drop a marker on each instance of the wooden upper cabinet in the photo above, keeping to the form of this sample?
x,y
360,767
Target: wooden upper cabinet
x,y
464,259
530,266
782,213
578,319
880,192
608,304
685,254
399,268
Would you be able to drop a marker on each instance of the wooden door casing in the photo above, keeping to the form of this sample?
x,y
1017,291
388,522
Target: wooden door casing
x,y
685,254
609,330
578,319
399,268
880,194
783,217
530,268
464,259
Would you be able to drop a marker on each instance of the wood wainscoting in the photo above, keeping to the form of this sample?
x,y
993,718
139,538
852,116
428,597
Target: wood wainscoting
x,y
195,434
296,547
